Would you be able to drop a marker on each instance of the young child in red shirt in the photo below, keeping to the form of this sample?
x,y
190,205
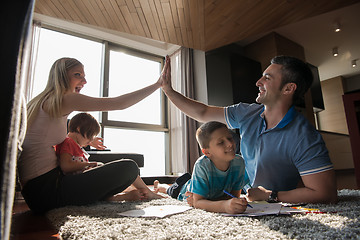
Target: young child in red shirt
x,y
73,159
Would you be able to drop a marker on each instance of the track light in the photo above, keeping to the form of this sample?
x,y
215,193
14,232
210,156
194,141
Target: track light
x,y
353,63
337,27
335,52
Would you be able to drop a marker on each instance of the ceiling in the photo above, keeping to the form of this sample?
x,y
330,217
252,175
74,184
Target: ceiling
x,y
317,36
209,24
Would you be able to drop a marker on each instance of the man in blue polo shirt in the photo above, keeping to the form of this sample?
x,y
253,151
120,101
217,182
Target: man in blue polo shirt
x,y
285,156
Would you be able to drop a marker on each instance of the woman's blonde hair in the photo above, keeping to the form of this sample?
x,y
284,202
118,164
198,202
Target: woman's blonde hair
x,y
57,85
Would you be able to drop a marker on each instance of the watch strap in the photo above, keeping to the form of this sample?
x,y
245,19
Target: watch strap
x,y
273,198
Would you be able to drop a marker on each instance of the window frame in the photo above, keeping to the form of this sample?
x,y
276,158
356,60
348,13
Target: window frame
x,y
163,126
104,83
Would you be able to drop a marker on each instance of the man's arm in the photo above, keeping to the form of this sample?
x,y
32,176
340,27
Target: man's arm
x,y
318,188
194,109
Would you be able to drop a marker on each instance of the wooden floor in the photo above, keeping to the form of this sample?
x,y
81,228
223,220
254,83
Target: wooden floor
x,y
28,226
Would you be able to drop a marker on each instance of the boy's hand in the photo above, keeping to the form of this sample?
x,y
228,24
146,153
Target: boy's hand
x,y
189,198
235,205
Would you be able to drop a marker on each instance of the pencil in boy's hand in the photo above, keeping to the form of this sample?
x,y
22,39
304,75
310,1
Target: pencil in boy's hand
x,y
235,197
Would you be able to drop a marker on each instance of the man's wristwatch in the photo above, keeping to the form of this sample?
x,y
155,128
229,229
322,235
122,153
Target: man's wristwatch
x,y
273,198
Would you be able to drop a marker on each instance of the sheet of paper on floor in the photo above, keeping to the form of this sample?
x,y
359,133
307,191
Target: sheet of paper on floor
x,y
156,211
259,209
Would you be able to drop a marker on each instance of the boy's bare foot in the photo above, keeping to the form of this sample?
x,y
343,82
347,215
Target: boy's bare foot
x,y
158,187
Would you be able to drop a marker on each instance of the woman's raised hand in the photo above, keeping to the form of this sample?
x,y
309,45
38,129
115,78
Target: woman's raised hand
x,y
165,77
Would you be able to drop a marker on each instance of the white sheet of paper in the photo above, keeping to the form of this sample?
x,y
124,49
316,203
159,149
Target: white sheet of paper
x,y
156,211
259,209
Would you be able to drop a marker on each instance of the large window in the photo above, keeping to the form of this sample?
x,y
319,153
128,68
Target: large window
x,y
53,45
113,70
128,73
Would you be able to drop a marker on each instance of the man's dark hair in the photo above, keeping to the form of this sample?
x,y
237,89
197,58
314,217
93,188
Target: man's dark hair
x,y
85,124
295,71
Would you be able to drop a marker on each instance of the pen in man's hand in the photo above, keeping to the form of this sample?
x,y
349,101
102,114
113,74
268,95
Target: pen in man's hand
x,y
235,197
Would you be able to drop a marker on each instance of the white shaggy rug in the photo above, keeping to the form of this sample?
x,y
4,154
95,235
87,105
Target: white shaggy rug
x,y
101,221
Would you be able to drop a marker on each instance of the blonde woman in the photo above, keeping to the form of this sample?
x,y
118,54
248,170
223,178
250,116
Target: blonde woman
x,y
44,186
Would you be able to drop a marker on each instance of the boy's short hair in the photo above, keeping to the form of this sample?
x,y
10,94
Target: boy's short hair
x,y
87,124
203,133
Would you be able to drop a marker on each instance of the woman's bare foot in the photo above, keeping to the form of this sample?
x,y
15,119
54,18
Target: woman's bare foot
x,y
133,195
150,194
158,187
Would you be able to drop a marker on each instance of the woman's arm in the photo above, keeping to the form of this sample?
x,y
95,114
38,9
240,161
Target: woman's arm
x,y
79,102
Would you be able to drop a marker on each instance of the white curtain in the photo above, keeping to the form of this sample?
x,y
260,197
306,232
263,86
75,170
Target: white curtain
x,y
183,146
29,82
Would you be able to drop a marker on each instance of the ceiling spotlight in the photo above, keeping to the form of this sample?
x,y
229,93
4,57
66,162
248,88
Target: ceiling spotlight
x,y
353,63
337,27
335,52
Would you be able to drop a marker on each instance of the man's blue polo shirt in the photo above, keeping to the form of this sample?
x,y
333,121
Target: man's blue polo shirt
x,y
277,157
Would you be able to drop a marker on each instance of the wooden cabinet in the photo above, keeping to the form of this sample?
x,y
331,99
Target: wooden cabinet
x,y
352,111
333,118
231,77
339,149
